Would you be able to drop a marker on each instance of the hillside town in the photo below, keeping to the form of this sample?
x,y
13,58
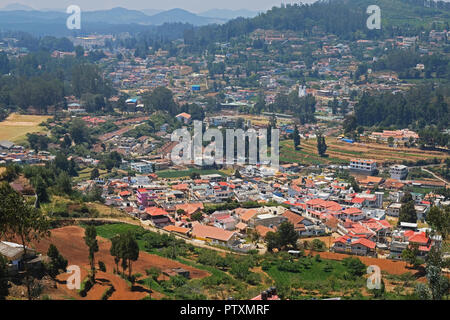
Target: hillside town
x,y
362,176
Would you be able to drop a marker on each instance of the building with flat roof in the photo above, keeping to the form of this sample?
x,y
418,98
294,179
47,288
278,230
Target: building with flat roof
x,y
142,167
363,165
399,172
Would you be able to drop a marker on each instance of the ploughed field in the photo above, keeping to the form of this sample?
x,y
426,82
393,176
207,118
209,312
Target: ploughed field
x,y
342,152
70,243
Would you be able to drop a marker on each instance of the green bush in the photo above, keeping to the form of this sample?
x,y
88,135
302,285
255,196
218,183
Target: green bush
x,y
253,278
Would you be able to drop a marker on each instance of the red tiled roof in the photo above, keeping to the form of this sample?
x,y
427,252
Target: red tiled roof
x,y
155,211
208,232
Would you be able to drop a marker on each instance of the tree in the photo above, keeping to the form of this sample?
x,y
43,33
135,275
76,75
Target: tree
x,y
439,220
161,99
41,191
130,251
90,238
95,174
272,240
287,235
17,219
390,141
154,272
437,287
321,145
115,250
64,183
410,255
254,235
79,51
318,245
408,213
354,267
296,136
57,261
3,278
407,198
198,216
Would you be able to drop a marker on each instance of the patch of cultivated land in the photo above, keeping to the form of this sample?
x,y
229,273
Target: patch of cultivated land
x,y
16,126
342,152
387,265
70,243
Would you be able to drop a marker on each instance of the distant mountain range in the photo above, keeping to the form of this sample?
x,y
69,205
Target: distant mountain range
x,y
228,14
16,16
16,7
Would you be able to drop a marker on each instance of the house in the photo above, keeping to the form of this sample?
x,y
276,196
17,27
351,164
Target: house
x,y
421,211
269,220
263,230
142,167
6,145
304,226
190,208
353,214
393,210
245,215
75,108
179,230
184,117
213,234
145,197
402,239
363,165
399,172
356,246
15,255
158,216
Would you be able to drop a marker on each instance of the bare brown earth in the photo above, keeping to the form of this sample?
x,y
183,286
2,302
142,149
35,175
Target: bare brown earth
x,y
389,266
70,243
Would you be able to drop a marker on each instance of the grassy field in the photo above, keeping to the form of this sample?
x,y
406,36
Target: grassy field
x,y
314,273
341,152
170,174
110,230
85,174
16,126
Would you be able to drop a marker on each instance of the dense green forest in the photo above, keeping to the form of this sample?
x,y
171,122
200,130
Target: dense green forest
x,y
417,108
344,18
40,81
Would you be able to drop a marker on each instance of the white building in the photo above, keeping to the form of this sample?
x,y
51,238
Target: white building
x,y
142,167
363,165
394,209
399,172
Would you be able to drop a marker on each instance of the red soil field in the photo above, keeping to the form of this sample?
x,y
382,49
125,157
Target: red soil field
x,y
390,266
70,243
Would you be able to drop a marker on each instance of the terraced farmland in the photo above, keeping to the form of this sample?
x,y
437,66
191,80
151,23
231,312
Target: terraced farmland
x,y
341,152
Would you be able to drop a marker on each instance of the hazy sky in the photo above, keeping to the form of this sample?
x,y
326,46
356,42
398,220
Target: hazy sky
x,y
191,5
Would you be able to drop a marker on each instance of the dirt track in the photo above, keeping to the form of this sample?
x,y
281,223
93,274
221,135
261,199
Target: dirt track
x,y
70,243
